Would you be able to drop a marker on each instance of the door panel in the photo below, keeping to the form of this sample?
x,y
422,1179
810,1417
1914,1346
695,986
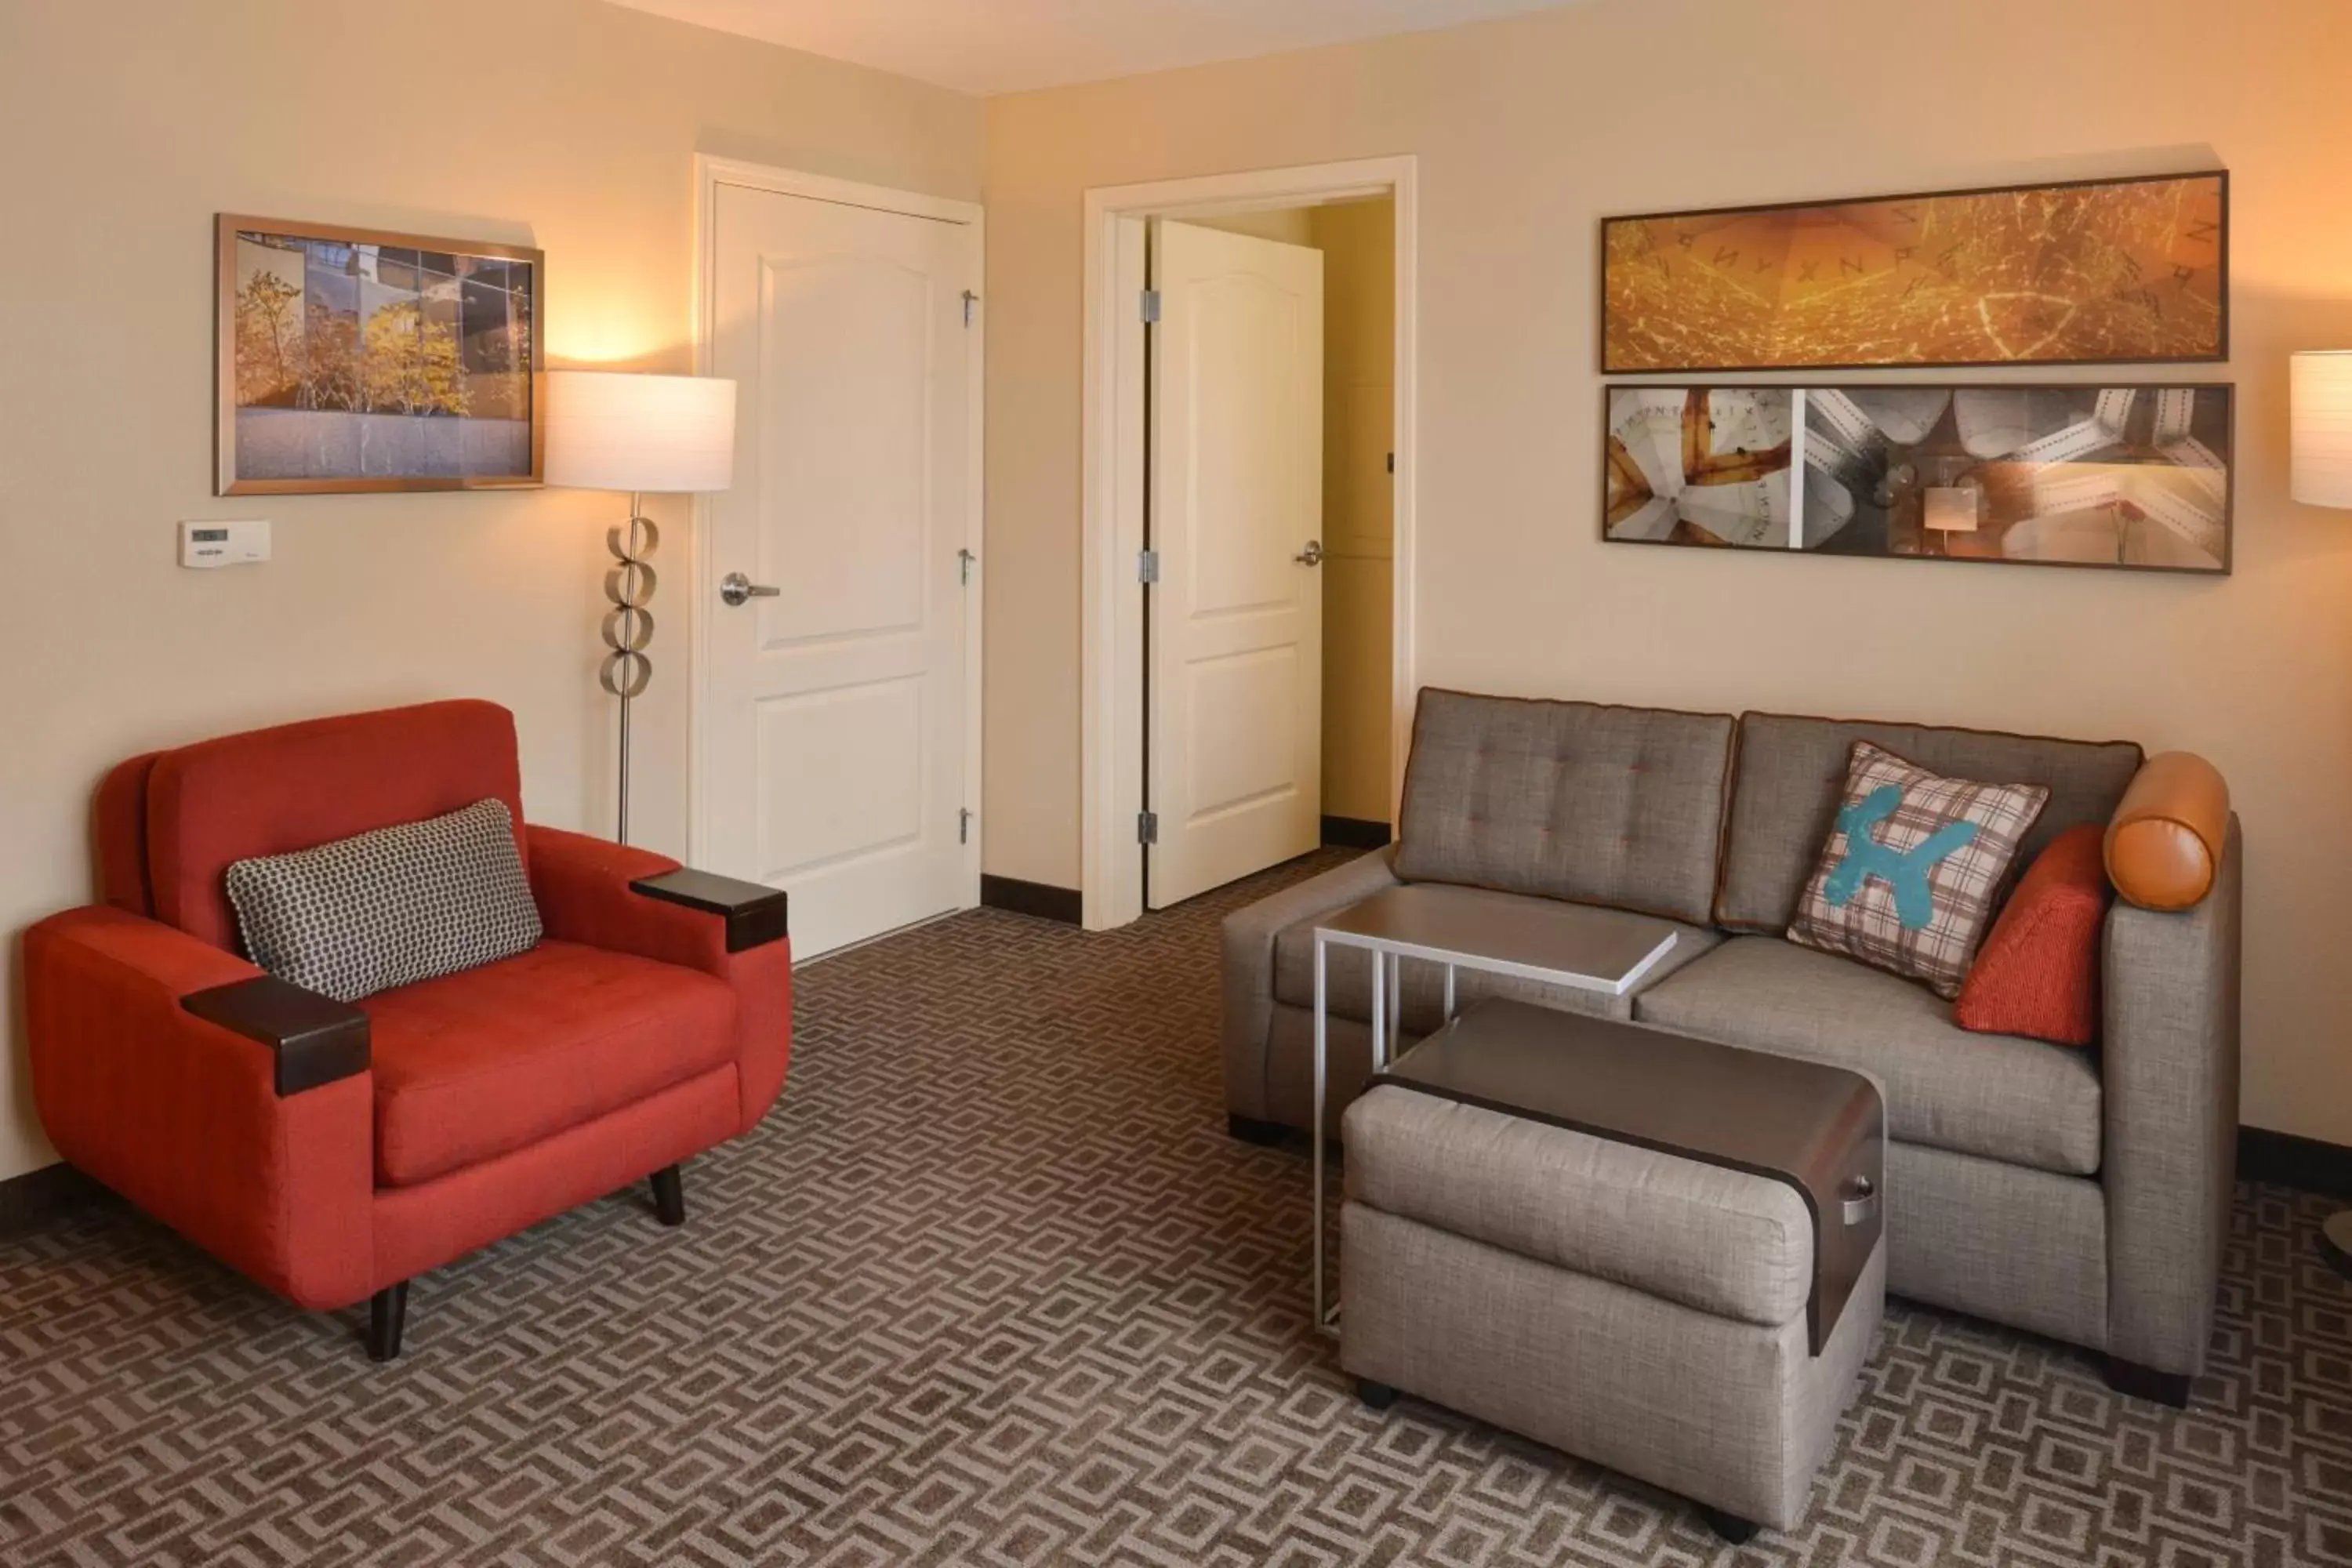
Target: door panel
x,y
1235,721
834,729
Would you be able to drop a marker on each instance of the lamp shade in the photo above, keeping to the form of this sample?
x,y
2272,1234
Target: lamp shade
x,y
2319,387
609,430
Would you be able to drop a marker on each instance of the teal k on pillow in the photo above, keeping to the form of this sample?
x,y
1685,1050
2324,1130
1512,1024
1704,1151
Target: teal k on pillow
x,y
1904,872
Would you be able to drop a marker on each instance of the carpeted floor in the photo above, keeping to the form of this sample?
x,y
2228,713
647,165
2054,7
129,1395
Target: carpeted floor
x,y
993,1286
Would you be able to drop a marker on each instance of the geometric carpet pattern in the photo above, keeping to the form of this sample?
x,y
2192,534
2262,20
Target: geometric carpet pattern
x,y
992,1286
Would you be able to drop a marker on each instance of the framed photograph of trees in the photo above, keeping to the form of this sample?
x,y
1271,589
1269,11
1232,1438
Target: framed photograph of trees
x,y
357,360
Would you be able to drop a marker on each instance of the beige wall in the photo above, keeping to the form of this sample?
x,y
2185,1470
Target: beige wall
x,y
123,127
1359,244
1527,131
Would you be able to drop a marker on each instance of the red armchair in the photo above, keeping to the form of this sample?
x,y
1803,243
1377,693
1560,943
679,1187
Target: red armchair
x,y
334,1153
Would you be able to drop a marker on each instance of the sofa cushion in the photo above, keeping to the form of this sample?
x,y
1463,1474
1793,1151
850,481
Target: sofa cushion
x,y
479,1064
1348,973
388,907
2024,1102
1729,1243
1621,806
1792,771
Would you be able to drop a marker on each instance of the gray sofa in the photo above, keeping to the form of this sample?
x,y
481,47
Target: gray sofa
x,y
2080,1194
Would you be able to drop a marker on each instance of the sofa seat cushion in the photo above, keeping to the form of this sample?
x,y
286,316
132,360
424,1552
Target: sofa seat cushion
x,y
1730,1243
479,1064
1349,973
1995,1096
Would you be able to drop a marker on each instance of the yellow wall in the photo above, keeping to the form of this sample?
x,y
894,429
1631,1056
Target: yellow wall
x,y
1358,240
123,127
1528,132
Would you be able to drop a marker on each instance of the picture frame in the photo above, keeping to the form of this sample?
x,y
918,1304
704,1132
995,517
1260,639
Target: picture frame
x,y
2130,270
352,360
2121,476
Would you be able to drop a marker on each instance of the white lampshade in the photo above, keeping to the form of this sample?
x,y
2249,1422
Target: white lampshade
x,y
608,430
2319,388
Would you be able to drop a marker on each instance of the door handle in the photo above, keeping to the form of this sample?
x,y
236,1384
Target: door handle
x,y
1312,555
735,589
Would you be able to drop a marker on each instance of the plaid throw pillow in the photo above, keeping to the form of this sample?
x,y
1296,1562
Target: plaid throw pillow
x,y
1913,867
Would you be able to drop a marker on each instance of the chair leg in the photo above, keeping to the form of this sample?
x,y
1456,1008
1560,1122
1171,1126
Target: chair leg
x,y
387,1315
1378,1396
670,1195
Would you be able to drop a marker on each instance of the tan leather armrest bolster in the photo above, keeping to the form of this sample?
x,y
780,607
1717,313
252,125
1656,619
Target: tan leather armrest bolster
x,y
2164,843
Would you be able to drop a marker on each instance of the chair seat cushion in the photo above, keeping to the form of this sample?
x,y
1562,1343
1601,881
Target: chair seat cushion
x,y
479,1064
1349,973
2023,1102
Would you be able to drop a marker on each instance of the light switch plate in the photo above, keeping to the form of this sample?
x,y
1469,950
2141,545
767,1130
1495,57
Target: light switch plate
x,y
217,541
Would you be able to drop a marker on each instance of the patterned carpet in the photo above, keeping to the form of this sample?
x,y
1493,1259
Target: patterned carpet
x,y
992,1286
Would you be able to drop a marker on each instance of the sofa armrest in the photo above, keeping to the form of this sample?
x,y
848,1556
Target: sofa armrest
x,y
184,1115
2170,1067
1248,965
631,901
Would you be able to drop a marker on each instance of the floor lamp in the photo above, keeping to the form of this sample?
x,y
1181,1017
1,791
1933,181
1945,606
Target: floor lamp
x,y
2319,398
609,430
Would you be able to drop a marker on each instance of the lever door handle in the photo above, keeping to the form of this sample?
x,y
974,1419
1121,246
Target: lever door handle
x,y
735,589
1312,555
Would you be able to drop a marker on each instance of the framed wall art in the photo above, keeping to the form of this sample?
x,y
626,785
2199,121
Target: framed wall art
x,y
2087,272
2055,474
357,360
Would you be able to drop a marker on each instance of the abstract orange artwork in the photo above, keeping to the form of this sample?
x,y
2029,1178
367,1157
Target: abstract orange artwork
x,y
2104,272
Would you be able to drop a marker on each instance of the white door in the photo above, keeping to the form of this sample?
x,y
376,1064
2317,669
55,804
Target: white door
x,y
1236,619
835,708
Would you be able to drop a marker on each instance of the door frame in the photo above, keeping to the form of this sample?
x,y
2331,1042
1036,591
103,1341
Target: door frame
x,y
711,172
1111,651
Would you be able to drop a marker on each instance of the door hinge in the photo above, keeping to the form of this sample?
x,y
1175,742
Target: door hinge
x,y
1146,566
965,561
1392,462
1147,827
963,826
1150,305
970,299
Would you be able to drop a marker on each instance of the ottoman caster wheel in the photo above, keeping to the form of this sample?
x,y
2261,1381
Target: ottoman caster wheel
x,y
1734,1530
1378,1396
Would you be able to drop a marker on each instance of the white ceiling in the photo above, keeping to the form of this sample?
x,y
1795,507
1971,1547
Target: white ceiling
x,y
1011,46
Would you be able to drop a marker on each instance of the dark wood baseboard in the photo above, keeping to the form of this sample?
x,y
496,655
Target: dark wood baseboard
x,y
27,1200
1042,899
2286,1160
1355,833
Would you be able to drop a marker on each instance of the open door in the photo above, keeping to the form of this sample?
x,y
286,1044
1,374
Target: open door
x,y
1235,641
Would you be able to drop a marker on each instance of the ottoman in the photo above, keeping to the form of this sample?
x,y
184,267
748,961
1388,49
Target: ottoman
x,y
1655,1312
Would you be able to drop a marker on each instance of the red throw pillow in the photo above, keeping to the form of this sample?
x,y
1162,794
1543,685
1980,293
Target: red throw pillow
x,y
2038,973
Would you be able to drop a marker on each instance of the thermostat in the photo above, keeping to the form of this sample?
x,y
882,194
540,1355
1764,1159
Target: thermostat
x,y
231,543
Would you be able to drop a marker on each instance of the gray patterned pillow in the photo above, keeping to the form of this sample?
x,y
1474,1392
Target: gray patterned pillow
x,y
389,908
1912,869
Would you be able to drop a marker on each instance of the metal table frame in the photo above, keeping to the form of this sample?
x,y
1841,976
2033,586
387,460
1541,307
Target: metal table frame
x,y
1388,956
